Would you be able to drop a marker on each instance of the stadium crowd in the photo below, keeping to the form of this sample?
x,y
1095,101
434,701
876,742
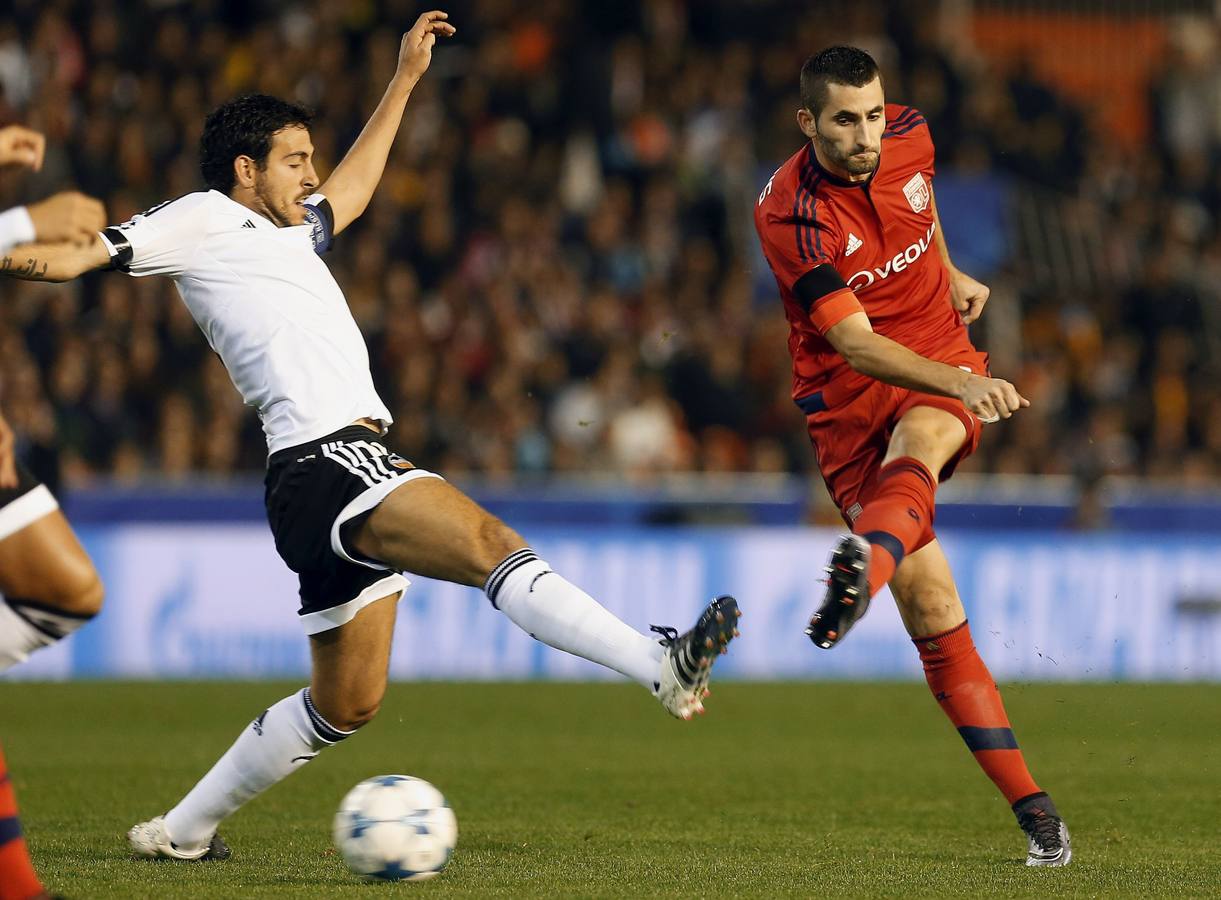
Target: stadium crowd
x,y
559,271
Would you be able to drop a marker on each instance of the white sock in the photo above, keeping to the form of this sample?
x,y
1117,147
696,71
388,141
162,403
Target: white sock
x,y
26,626
277,743
561,615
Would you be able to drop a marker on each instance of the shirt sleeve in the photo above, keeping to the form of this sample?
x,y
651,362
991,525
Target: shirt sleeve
x,y
16,227
801,250
927,151
320,220
160,241
910,125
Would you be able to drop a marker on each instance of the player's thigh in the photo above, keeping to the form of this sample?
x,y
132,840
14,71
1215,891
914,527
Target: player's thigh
x,y
928,434
45,562
923,587
429,527
351,665
849,440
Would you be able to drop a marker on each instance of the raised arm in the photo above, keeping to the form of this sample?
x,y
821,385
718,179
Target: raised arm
x,y
351,185
879,357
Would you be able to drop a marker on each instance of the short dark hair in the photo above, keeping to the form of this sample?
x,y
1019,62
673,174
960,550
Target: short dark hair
x,y
243,127
835,65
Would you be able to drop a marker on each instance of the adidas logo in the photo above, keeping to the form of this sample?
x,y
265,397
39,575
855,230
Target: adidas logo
x,y
247,224
854,244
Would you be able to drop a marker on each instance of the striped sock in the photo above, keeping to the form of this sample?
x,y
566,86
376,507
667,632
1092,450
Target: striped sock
x,y
506,567
558,613
281,740
964,687
898,517
18,880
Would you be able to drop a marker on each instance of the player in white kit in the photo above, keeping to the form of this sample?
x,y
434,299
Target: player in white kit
x,y
348,514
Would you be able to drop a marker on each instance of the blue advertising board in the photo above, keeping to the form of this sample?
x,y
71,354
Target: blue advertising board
x,y
215,601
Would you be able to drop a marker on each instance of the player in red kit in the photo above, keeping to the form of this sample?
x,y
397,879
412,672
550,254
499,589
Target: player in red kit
x,y
893,390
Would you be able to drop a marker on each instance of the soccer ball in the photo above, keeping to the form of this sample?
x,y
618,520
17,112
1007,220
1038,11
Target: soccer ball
x,y
395,828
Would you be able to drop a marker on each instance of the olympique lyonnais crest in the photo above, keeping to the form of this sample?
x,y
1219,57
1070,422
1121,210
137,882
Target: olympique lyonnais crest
x,y
916,191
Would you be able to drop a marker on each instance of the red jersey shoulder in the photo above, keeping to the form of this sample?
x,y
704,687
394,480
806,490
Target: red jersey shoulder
x,y
794,222
907,133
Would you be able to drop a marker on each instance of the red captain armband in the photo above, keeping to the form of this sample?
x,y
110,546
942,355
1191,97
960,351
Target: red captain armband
x,y
825,297
834,309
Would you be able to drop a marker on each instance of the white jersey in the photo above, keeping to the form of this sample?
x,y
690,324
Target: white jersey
x,y
267,304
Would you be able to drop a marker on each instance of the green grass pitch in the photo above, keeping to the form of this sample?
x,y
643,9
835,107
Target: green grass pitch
x,y
577,790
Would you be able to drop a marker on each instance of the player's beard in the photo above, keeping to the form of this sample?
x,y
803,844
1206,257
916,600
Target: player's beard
x,y
275,209
853,165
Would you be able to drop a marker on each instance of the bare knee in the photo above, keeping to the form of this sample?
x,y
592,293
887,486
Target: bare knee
x,y
928,599
494,541
929,608
350,712
78,590
360,714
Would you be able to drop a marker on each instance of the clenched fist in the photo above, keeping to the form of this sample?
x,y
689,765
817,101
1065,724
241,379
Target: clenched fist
x,y
992,399
21,146
68,216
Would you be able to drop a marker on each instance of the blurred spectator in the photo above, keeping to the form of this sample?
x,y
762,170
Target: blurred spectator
x,y
558,272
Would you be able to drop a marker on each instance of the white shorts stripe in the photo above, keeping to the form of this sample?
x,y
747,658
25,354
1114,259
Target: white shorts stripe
x,y
382,461
326,619
366,455
335,452
26,509
380,457
360,459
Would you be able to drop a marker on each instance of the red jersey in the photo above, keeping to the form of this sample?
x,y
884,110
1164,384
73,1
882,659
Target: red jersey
x,y
876,237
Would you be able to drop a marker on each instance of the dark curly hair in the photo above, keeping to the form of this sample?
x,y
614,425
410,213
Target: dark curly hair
x,y
835,65
243,127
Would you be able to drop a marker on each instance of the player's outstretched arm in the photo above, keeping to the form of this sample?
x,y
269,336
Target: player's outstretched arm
x,y
967,295
879,357
67,216
61,261
64,242
351,185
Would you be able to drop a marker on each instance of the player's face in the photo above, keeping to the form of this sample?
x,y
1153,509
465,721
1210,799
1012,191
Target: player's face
x,y
289,177
848,130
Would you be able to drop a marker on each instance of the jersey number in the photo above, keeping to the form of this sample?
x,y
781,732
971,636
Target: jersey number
x,y
767,189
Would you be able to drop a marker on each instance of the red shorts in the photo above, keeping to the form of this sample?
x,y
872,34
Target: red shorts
x,y
851,436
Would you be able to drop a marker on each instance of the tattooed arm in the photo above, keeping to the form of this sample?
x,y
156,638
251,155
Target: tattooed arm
x,y
64,229
54,262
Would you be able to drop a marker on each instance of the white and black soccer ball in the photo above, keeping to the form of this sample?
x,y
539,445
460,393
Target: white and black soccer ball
x,y
395,828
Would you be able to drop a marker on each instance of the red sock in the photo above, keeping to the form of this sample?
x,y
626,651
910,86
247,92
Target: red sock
x,y
896,517
964,687
17,878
